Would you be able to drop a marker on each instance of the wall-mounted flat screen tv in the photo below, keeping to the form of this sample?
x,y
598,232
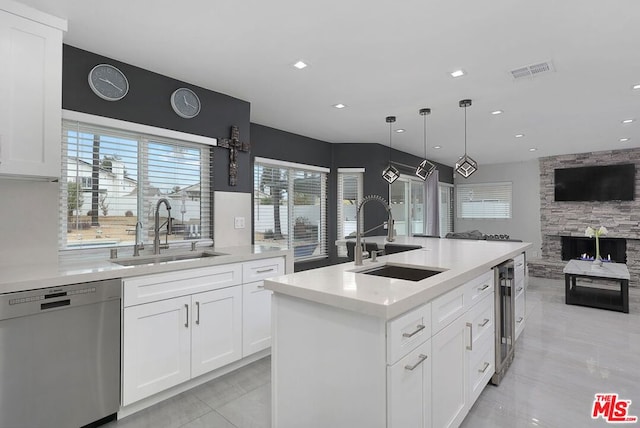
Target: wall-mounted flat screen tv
x,y
596,183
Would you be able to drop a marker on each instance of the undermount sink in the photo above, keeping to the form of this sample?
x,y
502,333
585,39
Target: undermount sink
x,y
164,258
401,272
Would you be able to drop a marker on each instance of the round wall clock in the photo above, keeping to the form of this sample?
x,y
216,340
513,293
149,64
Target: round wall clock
x,y
108,82
185,103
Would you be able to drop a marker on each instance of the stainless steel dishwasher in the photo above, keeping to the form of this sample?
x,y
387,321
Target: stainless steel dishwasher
x,y
60,356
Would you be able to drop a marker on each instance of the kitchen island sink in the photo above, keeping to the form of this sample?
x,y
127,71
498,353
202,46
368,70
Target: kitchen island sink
x,y
401,272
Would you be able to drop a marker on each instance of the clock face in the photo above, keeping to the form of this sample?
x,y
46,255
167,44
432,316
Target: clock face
x,y
185,103
108,82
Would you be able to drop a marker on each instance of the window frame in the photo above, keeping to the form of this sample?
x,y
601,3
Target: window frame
x,y
488,210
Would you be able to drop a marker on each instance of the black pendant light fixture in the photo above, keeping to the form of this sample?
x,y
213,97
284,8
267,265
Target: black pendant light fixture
x,y
390,173
426,168
465,165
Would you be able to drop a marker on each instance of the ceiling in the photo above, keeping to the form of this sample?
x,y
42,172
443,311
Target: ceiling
x,y
393,58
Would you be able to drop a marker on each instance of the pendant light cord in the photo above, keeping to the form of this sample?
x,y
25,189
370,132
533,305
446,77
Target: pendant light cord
x,y
465,130
425,136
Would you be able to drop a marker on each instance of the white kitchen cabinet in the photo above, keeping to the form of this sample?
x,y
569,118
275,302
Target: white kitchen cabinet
x,y
450,373
256,318
156,347
409,389
216,329
31,92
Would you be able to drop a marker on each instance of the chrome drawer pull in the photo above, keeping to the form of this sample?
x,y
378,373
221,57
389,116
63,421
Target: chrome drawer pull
x,y
198,313
520,320
186,324
264,270
519,290
421,358
260,286
470,347
484,369
483,287
484,322
419,328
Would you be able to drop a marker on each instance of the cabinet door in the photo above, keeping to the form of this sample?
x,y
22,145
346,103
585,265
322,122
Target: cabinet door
x,y
520,311
449,374
216,337
31,94
409,389
256,318
156,347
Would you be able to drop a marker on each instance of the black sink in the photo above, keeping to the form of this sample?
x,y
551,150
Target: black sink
x,y
402,272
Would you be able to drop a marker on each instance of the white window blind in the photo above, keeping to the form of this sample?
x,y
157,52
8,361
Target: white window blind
x,y
114,178
350,194
290,206
484,200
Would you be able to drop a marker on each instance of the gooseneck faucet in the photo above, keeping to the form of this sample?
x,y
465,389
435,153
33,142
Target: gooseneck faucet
x,y
359,233
157,225
138,246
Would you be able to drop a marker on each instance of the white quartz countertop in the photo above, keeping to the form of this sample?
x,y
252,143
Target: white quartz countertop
x,y
344,287
85,268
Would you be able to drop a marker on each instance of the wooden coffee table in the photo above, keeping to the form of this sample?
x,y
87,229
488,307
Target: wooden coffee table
x,y
594,296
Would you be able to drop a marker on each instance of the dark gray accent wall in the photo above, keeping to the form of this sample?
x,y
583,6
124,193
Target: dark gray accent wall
x,y
148,103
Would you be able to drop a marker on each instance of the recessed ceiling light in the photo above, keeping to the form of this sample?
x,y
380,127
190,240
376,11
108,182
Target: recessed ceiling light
x,y
519,135
636,86
532,149
624,140
627,121
300,65
437,147
457,73
495,112
339,105
400,131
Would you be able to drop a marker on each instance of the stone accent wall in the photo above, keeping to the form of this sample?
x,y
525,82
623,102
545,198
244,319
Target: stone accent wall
x,y
621,218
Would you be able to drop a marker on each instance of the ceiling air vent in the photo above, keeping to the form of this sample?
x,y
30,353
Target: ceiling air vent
x,y
532,70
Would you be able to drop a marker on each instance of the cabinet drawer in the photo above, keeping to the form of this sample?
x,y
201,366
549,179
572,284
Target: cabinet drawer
x,y
150,288
520,313
482,321
447,308
481,368
519,268
258,270
478,288
519,288
408,331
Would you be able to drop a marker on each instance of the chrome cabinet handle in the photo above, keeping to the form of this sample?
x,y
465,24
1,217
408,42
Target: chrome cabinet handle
x,y
419,328
519,290
421,358
264,270
198,313
186,324
470,347
260,286
484,287
519,319
484,369
484,322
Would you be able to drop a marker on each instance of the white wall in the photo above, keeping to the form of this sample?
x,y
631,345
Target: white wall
x,y
28,222
227,206
525,221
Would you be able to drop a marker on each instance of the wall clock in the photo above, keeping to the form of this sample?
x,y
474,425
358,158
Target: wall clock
x,y
108,82
185,103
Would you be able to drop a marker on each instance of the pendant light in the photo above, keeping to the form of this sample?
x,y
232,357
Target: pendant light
x,y
426,168
390,173
465,165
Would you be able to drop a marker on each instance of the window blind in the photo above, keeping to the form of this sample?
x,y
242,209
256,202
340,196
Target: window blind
x,y
112,178
290,208
484,200
350,194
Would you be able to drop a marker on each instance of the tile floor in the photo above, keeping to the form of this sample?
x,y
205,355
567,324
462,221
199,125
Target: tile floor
x,y
565,355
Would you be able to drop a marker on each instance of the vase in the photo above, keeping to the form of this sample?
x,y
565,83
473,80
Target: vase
x,y
597,259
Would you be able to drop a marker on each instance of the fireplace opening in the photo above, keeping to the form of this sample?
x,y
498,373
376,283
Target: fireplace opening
x,y
574,247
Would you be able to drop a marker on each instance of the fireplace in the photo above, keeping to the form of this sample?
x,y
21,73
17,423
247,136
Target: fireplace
x,y
574,247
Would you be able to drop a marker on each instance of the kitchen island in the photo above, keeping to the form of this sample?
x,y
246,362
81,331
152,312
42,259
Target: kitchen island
x,y
354,349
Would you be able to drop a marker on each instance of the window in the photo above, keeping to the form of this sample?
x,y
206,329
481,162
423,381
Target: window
x,y
350,182
114,178
407,206
290,207
446,208
484,200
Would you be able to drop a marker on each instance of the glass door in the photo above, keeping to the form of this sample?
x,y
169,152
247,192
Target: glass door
x,y
407,206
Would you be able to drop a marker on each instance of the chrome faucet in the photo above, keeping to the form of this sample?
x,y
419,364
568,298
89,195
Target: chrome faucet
x,y
359,233
157,225
138,246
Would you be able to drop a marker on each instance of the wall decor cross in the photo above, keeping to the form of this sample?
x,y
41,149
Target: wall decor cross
x,y
234,144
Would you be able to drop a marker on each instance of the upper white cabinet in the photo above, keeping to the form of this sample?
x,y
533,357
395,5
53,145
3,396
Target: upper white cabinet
x,y
31,91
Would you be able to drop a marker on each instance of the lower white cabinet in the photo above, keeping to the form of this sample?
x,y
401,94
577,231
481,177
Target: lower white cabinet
x,y
256,318
409,389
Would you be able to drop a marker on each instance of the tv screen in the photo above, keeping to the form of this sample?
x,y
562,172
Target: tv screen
x,y
596,183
